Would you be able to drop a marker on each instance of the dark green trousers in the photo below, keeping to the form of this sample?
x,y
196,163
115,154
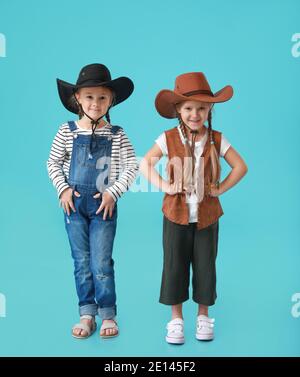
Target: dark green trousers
x,y
186,246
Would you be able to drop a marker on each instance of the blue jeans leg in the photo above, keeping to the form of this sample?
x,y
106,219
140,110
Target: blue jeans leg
x,y
102,234
78,232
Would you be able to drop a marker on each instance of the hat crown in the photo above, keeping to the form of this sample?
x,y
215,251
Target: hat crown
x,y
93,72
190,83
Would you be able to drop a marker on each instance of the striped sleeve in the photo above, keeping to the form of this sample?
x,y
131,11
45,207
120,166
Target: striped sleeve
x,y
128,166
56,160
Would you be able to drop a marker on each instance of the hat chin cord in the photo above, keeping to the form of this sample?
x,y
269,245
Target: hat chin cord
x,y
94,124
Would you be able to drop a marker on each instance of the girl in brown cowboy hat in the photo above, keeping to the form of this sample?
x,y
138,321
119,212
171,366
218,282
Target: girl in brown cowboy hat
x,y
92,163
191,206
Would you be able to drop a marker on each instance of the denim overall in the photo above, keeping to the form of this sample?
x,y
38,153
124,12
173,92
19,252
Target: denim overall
x,y
91,238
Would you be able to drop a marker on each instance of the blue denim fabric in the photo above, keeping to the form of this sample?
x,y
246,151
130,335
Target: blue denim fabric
x,y
91,238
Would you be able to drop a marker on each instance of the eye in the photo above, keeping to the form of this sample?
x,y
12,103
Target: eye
x,y
187,108
89,97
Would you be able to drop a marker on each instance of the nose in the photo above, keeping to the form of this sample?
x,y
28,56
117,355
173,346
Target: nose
x,y
195,113
95,103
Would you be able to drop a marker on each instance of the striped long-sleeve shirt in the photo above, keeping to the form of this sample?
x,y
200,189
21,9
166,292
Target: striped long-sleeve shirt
x,y
124,166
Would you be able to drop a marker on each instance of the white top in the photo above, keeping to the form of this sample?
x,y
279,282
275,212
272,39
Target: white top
x,y
199,146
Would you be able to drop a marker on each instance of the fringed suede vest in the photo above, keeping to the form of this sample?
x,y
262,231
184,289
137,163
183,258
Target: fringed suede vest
x,y
175,207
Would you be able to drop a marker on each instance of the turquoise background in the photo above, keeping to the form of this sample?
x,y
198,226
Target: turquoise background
x,y
243,43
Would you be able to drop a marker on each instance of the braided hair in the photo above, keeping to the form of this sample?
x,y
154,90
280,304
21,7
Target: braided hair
x,y
107,116
189,165
214,158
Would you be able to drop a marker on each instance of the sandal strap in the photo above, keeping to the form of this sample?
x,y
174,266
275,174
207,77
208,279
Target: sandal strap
x,y
105,326
83,326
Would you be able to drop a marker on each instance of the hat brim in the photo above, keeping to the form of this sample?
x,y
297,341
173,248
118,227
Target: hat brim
x,y
166,99
122,88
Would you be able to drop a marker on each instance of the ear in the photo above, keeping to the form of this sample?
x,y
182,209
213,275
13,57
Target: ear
x,y
77,95
112,99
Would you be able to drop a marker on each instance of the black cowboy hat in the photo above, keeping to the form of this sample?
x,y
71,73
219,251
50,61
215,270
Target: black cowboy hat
x,y
94,75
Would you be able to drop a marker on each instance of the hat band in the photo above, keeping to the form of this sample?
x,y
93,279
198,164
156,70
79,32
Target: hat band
x,y
94,81
194,92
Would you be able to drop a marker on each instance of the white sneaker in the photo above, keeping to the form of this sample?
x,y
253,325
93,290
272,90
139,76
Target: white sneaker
x,y
175,331
204,329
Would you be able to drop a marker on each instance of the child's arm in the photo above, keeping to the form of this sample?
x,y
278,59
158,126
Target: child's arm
x,y
56,173
239,169
129,168
147,168
55,162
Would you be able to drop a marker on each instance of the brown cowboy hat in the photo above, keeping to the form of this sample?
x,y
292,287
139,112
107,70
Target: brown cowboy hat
x,y
189,87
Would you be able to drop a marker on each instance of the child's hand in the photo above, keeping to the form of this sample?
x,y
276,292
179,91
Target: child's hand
x,y
173,188
66,200
214,190
107,203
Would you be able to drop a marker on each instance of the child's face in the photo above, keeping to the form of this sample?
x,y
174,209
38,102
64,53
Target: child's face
x,y
94,101
194,113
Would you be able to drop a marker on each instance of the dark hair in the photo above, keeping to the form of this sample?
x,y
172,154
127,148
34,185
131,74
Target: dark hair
x,y
74,103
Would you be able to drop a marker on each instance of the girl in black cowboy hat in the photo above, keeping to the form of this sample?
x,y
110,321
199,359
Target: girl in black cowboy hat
x,y
91,164
191,206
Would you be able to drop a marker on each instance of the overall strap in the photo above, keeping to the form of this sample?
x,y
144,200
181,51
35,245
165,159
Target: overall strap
x,y
72,125
115,129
